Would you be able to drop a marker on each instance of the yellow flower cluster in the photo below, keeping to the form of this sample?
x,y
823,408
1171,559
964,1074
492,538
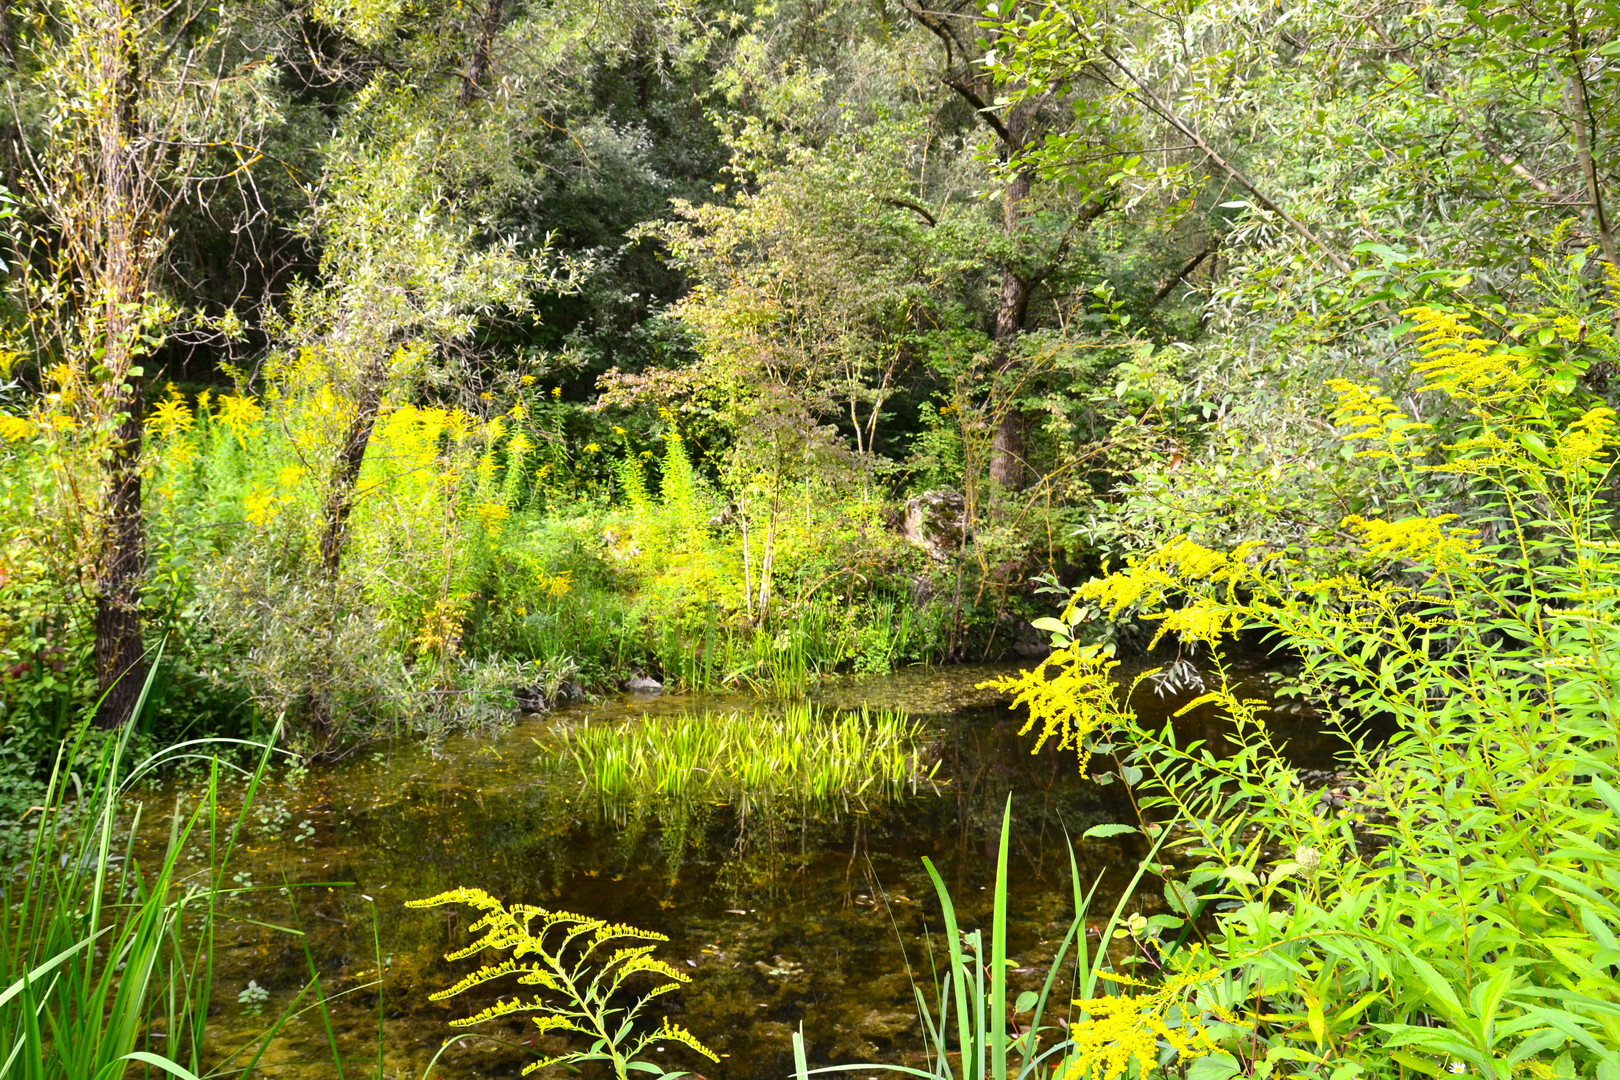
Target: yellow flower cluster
x,y
412,442
490,516
556,950
240,413
441,626
554,584
170,417
14,428
1373,417
1585,444
1119,1029
1070,694
263,504
1422,539
1460,361
1147,581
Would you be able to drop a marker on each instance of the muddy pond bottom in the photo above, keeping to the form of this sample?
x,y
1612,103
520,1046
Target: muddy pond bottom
x,y
788,917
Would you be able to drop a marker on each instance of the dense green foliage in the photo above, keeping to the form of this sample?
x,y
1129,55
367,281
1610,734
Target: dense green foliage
x,y
1460,911
390,367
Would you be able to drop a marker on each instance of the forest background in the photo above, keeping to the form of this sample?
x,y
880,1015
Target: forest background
x,y
392,364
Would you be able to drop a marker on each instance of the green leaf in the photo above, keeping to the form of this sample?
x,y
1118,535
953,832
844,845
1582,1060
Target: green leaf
x,y
1413,1061
1241,875
163,1063
1026,1001
1100,831
1214,1067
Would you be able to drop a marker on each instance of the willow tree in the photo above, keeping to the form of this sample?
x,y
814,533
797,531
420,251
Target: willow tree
x,y
123,112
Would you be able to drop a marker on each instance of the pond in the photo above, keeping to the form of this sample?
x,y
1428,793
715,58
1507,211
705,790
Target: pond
x,y
785,918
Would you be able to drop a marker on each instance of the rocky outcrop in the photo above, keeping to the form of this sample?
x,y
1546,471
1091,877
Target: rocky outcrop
x,y
539,699
933,522
640,683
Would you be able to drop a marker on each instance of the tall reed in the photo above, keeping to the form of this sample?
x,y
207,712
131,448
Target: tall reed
x,y
105,962
973,1031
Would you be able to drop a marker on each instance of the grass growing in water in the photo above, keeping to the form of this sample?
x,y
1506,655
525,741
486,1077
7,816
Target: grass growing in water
x,y
106,962
807,755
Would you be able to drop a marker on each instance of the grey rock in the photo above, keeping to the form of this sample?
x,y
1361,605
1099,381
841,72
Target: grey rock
x,y
933,522
640,683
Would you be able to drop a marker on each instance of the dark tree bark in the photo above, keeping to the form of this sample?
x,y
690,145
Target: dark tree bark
x,y
120,649
472,83
120,225
1008,447
956,24
8,35
346,469
1180,275
1583,129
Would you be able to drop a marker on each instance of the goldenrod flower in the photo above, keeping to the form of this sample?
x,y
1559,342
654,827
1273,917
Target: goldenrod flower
x,y
240,413
14,428
1422,539
1118,1029
490,516
1070,694
261,507
169,418
555,584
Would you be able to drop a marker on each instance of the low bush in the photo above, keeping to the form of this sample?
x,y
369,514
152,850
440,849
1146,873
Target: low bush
x,y
1459,910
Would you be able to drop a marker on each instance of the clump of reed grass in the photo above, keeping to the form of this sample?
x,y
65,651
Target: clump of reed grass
x,y
106,960
805,754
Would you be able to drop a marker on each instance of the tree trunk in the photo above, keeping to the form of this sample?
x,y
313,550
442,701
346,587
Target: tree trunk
x,y
472,83
1585,153
1008,447
120,650
120,234
765,565
346,470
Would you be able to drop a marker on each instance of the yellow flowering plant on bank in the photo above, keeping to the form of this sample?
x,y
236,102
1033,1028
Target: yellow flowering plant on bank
x,y
1129,1028
1455,908
588,982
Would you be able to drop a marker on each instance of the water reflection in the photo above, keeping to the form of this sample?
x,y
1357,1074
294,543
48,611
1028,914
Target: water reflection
x,y
791,916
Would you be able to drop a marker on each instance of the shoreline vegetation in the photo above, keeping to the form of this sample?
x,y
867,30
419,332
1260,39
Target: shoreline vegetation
x,y
373,372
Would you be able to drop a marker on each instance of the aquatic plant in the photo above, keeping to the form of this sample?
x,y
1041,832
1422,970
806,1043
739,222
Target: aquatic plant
x,y
1458,909
805,754
106,963
1099,1034
583,964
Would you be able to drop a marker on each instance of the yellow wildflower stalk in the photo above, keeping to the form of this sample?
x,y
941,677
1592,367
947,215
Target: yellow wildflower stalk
x,y
558,951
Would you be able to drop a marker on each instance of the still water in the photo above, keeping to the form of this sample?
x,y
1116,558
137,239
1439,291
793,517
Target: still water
x,y
817,919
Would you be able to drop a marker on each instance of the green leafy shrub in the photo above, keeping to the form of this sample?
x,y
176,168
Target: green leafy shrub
x,y
1460,909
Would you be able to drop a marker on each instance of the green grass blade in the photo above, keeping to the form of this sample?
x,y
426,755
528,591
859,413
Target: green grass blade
x,y
998,955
